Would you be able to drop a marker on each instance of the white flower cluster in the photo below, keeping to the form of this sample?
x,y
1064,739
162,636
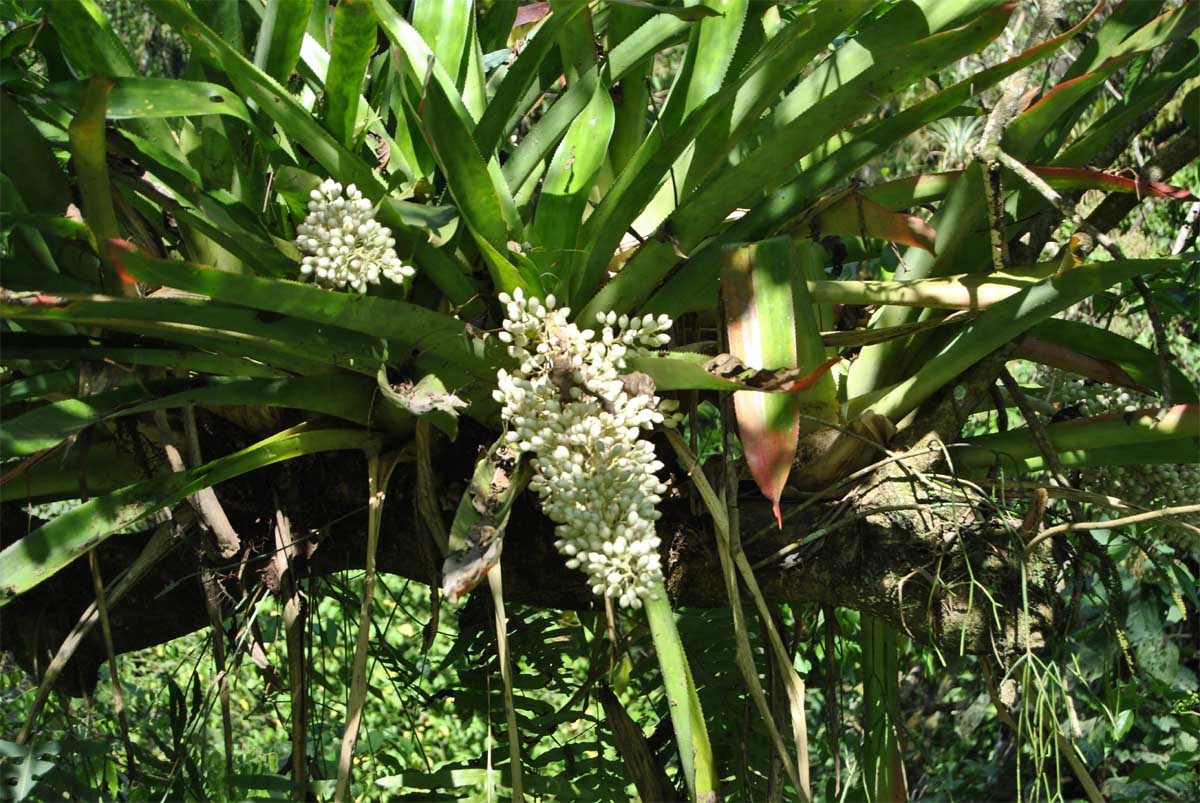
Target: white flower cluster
x,y
567,403
344,244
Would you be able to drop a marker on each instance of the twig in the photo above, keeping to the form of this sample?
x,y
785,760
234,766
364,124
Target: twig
x,y
293,624
495,583
832,704
1170,159
1046,191
212,606
1006,107
1049,453
204,501
106,629
845,522
379,471
1019,488
829,491
721,517
158,546
228,544
1150,515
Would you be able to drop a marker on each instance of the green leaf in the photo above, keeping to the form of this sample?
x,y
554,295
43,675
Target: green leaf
x,y
631,94
47,550
534,146
272,98
445,25
958,222
567,185
134,98
505,109
1113,439
102,467
686,370
1003,322
1178,65
759,171
712,44
280,37
22,346
431,338
37,386
638,183
354,30
968,291
1136,360
345,397
28,160
695,287
1025,133
687,718
466,172
690,13
91,170
283,342
95,50
1126,32
823,24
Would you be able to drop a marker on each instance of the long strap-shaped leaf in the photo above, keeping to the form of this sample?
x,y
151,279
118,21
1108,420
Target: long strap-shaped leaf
x,y
141,98
440,337
96,50
286,343
103,467
504,110
760,171
1180,426
792,682
349,397
274,99
1139,362
770,320
47,550
1003,322
647,39
695,286
474,179
379,472
353,41
86,135
683,702
638,183
745,656
23,346
280,37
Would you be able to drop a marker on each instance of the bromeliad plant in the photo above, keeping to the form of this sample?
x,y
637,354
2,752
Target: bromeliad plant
x,y
186,244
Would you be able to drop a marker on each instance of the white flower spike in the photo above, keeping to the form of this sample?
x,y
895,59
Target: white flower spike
x,y
567,404
344,244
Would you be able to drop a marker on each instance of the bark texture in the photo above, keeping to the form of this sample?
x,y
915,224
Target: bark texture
x,y
899,541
